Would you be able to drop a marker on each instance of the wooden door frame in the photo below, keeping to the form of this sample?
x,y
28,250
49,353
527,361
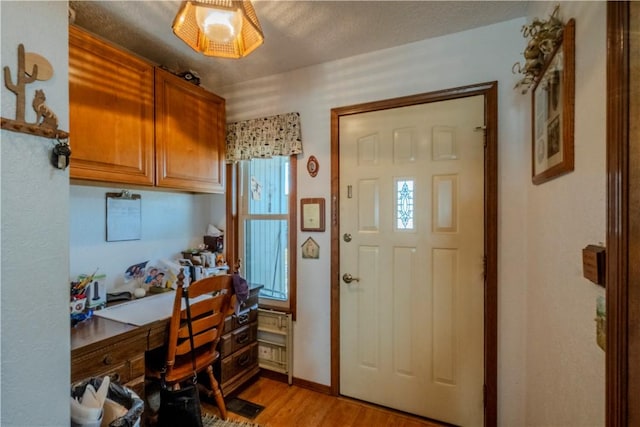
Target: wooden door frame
x,y
490,92
623,230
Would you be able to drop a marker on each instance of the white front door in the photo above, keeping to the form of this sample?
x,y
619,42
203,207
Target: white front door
x,y
412,239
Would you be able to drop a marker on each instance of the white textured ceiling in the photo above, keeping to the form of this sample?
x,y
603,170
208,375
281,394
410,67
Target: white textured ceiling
x,y
297,33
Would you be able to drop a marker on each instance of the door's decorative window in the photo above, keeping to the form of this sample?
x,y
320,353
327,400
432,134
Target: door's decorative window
x,y
404,204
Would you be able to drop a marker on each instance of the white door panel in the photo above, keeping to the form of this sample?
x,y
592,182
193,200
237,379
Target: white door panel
x,y
412,197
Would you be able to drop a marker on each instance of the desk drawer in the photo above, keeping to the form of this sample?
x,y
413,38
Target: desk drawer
x,y
136,366
237,339
251,300
234,321
239,362
119,373
122,358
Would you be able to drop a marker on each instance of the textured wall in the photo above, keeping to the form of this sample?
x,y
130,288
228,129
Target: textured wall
x,y
171,223
35,232
476,56
565,367
550,370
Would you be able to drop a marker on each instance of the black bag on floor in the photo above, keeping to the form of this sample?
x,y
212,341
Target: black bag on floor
x,y
181,407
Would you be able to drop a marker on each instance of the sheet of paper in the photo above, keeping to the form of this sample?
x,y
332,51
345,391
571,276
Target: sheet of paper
x,y
144,310
124,219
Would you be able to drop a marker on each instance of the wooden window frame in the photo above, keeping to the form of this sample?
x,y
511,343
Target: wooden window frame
x,y
232,199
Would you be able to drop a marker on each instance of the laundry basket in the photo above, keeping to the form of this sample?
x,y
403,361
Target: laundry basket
x,y
119,394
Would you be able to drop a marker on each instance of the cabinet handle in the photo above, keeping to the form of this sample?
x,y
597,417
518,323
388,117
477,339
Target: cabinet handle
x,y
241,339
108,360
242,319
244,359
115,377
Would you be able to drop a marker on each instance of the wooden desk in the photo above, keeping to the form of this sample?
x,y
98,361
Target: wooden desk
x,y
102,346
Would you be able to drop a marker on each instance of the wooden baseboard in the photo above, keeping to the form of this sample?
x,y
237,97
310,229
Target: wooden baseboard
x,y
309,385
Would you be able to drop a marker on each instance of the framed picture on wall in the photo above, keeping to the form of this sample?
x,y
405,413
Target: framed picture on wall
x,y
312,214
553,112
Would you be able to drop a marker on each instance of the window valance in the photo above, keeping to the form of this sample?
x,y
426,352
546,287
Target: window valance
x,y
265,137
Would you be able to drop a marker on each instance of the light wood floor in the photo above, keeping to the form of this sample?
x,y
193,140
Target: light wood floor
x,y
288,406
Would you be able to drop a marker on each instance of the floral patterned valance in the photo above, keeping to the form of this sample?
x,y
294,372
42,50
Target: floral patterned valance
x,y
263,138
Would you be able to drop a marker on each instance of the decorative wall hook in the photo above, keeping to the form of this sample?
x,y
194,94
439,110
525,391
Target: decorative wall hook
x,y
46,123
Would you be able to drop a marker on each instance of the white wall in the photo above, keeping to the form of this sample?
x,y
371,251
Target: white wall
x,y
481,55
35,233
565,367
171,222
550,371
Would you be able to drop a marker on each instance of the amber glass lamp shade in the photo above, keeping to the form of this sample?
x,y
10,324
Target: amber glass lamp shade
x,y
224,28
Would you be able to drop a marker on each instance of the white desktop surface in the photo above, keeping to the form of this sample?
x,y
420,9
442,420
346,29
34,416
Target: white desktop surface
x,y
144,310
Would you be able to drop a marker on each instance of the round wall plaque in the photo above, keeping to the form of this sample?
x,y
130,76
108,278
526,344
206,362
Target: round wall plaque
x,y
313,166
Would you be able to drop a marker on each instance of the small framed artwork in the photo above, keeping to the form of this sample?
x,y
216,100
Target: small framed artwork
x,y
312,214
552,110
313,166
310,249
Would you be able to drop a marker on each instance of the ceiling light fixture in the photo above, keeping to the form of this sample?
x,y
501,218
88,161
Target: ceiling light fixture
x,y
224,28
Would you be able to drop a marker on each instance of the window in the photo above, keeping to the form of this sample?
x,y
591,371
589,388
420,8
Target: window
x,y
404,204
266,228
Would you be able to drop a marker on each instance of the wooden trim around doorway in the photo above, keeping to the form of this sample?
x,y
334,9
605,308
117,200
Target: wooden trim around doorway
x,y
623,226
490,92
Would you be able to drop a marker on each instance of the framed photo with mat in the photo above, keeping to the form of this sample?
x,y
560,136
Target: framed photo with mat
x,y
553,99
312,214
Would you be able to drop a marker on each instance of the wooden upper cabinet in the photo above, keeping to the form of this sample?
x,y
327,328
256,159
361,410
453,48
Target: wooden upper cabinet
x,y
111,107
190,135
115,136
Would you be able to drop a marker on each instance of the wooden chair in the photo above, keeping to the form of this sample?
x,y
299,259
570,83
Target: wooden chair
x,y
207,321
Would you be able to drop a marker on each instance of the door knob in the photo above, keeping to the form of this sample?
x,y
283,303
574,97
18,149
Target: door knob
x,y
347,278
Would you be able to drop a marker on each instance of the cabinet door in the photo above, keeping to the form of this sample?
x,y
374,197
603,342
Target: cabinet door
x,y
110,112
190,135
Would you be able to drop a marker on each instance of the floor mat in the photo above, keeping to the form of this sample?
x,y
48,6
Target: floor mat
x,y
210,420
244,407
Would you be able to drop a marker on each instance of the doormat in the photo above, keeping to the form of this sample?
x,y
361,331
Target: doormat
x,y
244,407
210,420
